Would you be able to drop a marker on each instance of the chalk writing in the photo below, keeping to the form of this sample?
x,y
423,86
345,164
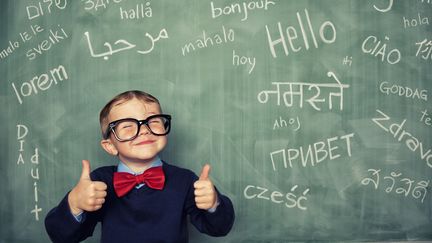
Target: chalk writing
x,y
371,44
281,123
425,49
347,61
288,96
386,9
414,22
240,8
402,91
55,36
123,45
407,188
243,60
315,153
40,82
426,118
291,34
95,4
22,132
24,36
40,8
139,12
206,41
399,133
291,200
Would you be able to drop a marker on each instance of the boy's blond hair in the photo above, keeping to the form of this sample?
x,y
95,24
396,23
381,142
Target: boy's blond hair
x,y
128,95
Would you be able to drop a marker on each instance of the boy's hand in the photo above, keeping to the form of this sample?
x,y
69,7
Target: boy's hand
x,y
205,193
87,195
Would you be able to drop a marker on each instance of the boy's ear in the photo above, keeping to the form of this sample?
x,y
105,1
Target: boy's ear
x,y
109,147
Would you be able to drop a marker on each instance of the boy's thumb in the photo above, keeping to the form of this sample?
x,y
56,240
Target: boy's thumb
x,y
205,172
85,174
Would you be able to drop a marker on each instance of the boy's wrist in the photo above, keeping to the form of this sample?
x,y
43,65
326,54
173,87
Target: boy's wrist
x,y
74,209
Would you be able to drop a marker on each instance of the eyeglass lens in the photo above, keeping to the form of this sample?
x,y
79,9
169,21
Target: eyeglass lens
x,y
128,129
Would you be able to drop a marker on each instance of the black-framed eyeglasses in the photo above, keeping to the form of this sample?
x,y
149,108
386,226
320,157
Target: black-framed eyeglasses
x,y
127,129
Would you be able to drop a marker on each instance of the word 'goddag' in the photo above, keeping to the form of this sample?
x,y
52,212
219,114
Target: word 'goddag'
x,y
53,38
291,34
410,141
288,96
392,57
291,200
236,8
407,92
417,192
315,154
41,82
206,41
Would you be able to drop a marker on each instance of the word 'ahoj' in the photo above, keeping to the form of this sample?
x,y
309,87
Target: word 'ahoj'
x,y
399,133
207,41
40,82
327,34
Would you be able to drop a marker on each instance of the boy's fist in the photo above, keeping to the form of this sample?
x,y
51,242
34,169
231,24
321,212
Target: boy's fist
x,y
87,195
205,193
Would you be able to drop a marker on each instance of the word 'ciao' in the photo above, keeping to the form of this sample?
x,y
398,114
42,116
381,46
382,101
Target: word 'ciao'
x,y
327,34
399,133
315,153
406,188
314,99
290,199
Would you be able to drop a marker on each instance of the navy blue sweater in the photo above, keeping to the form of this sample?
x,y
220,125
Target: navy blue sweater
x,y
143,215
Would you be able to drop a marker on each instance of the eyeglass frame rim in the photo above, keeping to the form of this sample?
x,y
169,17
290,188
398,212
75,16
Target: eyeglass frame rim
x,y
112,125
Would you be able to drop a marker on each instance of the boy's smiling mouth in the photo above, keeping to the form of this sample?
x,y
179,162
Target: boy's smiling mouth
x,y
145,142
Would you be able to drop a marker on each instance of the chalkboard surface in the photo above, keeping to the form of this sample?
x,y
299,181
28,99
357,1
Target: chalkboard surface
x,y
315,115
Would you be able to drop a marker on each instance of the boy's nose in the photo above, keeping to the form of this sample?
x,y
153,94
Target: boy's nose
x,y
143,130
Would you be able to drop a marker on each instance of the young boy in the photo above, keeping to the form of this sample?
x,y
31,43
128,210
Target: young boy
x,y
143,199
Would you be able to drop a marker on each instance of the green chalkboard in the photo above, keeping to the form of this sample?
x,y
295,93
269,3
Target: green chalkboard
x,y
315,115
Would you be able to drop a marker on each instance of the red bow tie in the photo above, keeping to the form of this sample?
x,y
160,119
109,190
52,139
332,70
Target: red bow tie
x,y
124,182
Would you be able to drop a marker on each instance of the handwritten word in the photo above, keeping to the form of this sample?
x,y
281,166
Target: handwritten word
x,y
205,41
410,141
22,131
291,200
315,153
291,34
427,49
123,45
427,120
280,123
34,11
419,190
41,82
25,36
385,9
263,96
236,8
243,60
382,50
413,23
347,61
426,1
139,12
407,92
95,4
54,37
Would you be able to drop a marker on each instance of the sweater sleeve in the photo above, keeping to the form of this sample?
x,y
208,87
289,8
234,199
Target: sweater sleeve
x,y
62,226
218,223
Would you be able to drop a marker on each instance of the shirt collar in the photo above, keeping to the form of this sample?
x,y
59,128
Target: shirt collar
x,y
124,168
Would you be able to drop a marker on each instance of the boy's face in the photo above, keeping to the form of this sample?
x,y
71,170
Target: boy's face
x,y
146,146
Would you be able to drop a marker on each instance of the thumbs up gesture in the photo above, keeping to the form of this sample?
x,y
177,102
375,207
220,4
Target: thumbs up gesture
x,y
205,193
87,195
